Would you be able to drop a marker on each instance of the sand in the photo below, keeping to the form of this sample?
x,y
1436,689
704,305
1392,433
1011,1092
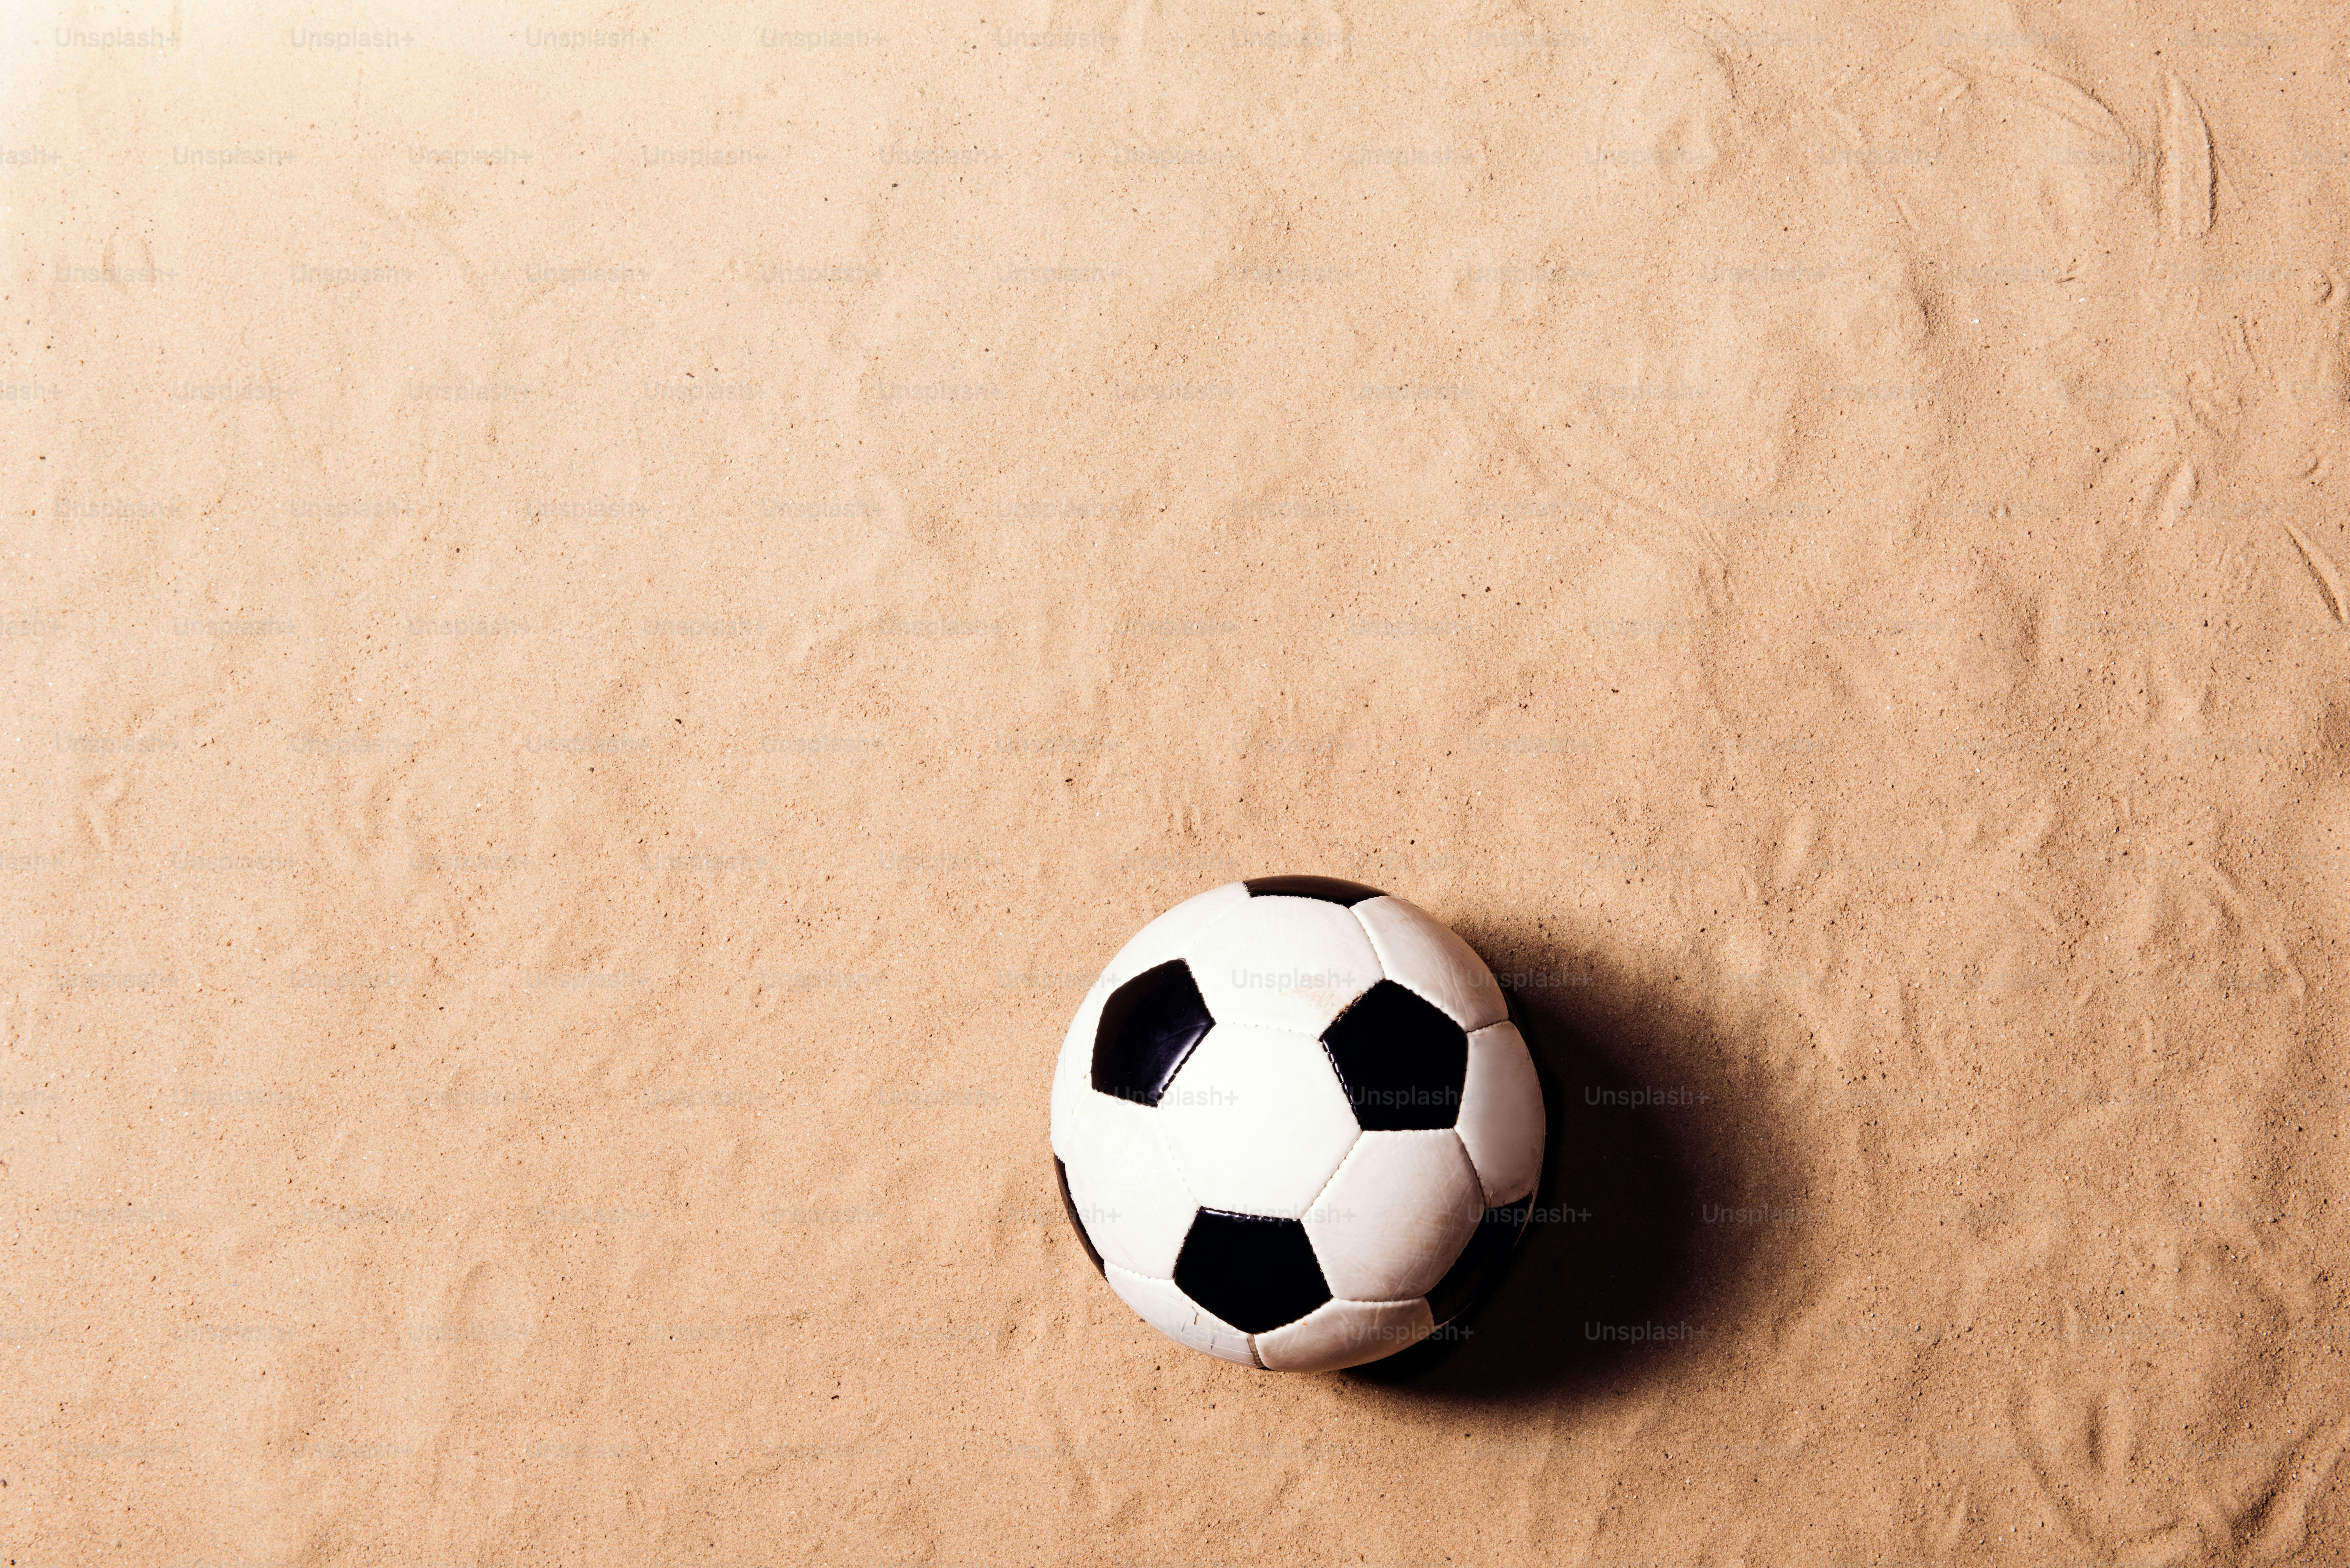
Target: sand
x,y
609,613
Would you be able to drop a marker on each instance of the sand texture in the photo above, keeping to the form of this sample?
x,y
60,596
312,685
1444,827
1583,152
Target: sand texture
x,y
609,613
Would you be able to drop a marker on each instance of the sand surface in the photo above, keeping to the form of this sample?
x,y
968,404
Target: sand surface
x,y
611,613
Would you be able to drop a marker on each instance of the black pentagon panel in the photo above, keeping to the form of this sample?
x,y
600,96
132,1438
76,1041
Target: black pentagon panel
x,y
1402,1060
1481,1261
1061,1175
1253,1273
1329,889
1149,1027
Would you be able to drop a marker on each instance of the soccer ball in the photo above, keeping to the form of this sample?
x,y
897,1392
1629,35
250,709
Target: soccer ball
x,y
1295,1125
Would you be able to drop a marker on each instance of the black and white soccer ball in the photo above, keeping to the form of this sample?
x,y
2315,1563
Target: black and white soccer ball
x,y
1295,1125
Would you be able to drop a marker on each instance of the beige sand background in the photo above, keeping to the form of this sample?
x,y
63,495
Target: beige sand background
x,y
609,613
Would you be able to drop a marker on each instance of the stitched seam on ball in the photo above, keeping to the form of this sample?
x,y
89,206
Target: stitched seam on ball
x,y
1407,1301
1313,1035
1378,953
1381,954
1183,948
1493,1199
1437,1003
1200,1314
1348,910
1138,1274
1340,1169
1484,1200
1167,1152
1467,1085
1476,1177
1338,1073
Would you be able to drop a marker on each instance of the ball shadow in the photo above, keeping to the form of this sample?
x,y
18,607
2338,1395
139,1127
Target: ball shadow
x,y
1617,1276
